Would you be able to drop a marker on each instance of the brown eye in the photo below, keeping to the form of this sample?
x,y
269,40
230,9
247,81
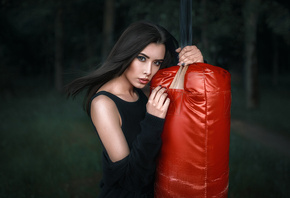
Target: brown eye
x,y
158,63
141,58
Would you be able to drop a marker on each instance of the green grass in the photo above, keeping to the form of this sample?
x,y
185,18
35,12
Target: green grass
x,y
49,148
257,171
273,105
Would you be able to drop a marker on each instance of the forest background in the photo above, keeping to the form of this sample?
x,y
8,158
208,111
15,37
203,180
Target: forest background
x,y
48,147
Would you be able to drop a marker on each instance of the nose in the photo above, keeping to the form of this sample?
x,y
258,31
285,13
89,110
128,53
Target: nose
x,y
148,69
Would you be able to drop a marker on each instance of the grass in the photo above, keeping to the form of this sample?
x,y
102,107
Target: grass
x,y
49,148
273,105
257,171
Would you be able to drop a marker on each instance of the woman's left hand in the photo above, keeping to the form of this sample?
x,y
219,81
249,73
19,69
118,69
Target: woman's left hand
x,y
188,55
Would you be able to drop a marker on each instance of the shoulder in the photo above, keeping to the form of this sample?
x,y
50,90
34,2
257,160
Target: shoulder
x,y
103,109
107,121
102,101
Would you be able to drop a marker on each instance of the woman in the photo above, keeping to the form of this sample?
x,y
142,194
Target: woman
x,y
128,124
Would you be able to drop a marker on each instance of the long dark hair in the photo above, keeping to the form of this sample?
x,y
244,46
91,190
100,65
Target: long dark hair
x,y
133,40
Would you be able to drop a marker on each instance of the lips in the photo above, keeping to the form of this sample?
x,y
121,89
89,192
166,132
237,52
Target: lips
x,y
143,80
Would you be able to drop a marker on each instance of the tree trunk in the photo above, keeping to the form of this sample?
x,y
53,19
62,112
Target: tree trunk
x,y
89,45
108,27
275,64
251,66
58,81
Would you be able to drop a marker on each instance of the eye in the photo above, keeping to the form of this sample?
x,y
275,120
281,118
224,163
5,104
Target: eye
x,y
158,63
141,58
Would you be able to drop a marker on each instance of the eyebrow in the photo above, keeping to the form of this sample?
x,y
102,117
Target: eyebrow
x,y
145,55
149,57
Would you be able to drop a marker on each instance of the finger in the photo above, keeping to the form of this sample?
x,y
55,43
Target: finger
x,y
187,49
166,105
188,55
193,59
162,99
192,50
192,56
159,94
154,92
178,50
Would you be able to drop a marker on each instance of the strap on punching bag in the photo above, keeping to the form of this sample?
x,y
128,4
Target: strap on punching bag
x,y
185,23
185,39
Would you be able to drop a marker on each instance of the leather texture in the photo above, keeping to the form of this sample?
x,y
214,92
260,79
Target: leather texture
x,y
194,158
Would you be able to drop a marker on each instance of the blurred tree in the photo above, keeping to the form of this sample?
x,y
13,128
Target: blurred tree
x,y
204,28
251,13
83,30
275,59
28,27
221,29
277,18
163,12
58,64
108,27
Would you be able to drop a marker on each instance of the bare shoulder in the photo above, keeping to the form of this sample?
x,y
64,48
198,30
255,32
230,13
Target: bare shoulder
x,y
102,107
102,102
106,119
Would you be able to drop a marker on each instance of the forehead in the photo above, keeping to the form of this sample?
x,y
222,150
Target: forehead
x,y
154,51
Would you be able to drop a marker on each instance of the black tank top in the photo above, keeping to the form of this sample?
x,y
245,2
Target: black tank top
x,y
132,113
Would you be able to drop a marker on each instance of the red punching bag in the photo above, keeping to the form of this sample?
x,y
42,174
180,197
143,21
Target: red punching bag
x,y
194,158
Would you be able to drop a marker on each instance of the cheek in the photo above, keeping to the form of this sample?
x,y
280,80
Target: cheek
x,y
133,68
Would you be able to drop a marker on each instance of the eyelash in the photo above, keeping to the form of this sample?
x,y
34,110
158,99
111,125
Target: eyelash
x,y
158,63
143,59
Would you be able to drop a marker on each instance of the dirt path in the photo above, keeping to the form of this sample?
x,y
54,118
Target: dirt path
x,y
262,135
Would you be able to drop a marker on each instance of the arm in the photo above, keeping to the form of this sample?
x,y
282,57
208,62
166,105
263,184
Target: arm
x,y
131,169
107,120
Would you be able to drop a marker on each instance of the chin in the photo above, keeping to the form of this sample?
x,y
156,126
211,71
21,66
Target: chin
x,y
140,86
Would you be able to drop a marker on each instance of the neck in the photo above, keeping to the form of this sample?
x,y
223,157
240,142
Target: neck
x,y
119,86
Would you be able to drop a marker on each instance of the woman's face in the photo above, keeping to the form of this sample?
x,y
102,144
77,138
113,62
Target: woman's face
x,y
145,65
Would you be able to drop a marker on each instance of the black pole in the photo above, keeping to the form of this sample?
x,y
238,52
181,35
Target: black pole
x,y
185,23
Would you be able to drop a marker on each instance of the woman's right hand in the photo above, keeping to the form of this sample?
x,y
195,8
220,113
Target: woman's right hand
x,y
158,102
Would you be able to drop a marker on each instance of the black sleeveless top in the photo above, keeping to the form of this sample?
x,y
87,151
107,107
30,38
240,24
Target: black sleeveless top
x,y
133,176
131,113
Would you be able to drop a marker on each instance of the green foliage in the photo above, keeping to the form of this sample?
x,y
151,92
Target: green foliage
x,y
277,18
27,31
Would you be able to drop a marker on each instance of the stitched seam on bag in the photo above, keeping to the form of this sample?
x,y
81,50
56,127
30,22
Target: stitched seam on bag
x,y
206,133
